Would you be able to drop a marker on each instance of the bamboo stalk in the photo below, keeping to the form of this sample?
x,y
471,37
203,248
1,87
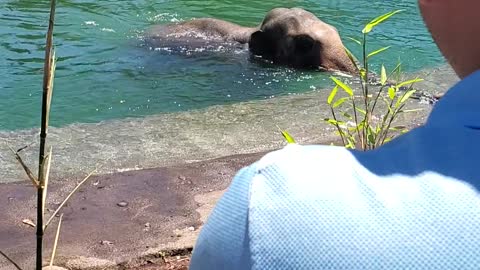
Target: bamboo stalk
x,y
48,75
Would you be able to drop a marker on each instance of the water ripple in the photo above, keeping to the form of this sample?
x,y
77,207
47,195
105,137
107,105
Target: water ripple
x,y
101,63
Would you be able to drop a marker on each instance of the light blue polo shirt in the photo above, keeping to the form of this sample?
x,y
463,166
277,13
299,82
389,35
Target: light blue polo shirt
x,y
411,204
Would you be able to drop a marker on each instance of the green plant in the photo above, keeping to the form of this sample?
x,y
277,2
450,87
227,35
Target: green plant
x,y
41,182
354,117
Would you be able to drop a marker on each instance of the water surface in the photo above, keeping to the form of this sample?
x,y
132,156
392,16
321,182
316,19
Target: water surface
x,y
102,74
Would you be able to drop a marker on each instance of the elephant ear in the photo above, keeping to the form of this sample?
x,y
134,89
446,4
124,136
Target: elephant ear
x,y
261,43
303,43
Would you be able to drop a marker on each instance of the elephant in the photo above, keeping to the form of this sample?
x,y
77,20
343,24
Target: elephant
x,y
287,36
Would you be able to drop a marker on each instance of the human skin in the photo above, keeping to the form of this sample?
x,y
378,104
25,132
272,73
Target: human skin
x,y
455,27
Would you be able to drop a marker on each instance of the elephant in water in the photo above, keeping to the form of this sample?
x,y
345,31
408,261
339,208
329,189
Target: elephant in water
x,y
292,37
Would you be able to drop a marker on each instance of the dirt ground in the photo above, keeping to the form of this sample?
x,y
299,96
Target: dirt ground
x,y
169,263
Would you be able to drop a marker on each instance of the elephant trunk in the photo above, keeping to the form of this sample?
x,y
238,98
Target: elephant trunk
x,y
337,59
345,64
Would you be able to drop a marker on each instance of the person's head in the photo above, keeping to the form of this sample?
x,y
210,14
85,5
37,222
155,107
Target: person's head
x,y
455,27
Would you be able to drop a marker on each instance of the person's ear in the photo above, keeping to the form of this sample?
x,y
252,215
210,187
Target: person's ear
x,y
261,43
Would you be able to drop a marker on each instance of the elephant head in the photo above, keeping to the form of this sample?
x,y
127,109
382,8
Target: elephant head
x,y
297,38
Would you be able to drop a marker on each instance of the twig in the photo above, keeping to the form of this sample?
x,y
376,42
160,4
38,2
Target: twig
x,y
67,198
46,177
10,260
54,251
360,137
25,167
338,126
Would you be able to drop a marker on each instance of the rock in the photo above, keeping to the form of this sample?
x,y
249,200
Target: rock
x,y
181,177
122,204
106,243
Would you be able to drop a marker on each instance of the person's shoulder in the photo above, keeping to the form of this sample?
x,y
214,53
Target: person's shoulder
x,y
307,164
295,154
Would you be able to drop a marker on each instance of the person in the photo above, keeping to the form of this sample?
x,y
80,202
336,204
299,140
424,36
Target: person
x,y
411,204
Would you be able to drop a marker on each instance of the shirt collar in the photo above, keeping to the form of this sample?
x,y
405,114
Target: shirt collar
x,y
460,105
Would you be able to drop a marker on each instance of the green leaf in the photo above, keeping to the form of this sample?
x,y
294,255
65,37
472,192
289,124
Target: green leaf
x,y
331,121
397,128
383,75
347,115
361,111
363,74
407,96
397,67
355,40
409,82
332,95
370,135
343,86
288,137
412,110
378,20
389,107
339,102
361,125
351,143
378,51
391,93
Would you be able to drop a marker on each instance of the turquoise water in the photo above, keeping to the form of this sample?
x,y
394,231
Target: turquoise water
x,y
103,74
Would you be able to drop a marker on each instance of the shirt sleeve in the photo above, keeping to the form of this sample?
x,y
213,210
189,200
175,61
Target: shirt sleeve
x,y
223,241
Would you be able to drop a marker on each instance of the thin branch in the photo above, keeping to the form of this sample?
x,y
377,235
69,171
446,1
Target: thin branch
x,y
46,177
360,137
25,167
366,100
393,117
55,243
67,198
384,120
338,127
376,98
10,260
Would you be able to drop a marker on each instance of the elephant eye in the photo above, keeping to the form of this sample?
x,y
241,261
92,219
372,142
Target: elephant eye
x,y
303,43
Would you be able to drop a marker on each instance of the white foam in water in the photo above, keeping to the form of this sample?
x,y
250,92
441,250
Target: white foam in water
x,y
108,30
91,23
165,139
165,17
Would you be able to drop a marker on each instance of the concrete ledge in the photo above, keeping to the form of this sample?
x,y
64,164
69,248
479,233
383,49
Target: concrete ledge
x,y
119,220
